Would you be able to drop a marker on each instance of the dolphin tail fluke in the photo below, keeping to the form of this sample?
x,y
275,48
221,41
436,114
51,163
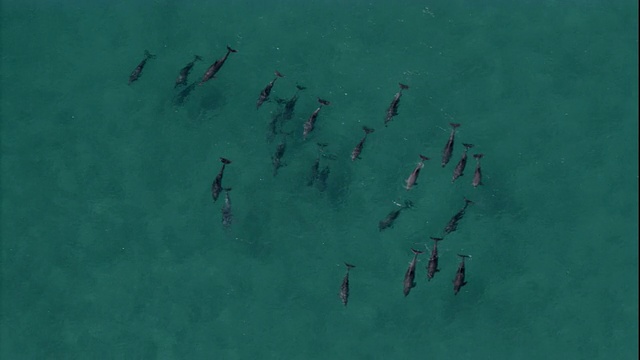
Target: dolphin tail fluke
x,y
149,55
464,256
323,101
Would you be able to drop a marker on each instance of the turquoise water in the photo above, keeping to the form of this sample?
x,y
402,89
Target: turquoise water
x,y
113,248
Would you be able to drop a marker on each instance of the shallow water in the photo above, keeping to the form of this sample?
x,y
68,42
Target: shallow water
x,y
112,244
